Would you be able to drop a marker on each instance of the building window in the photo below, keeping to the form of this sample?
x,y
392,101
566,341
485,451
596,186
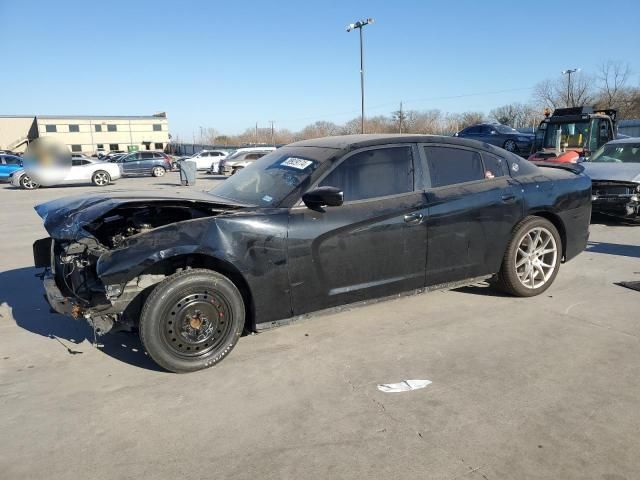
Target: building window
x,y
50,128
76,148
113,146
100,146
112,128
74,128
157,127
158,146
98,128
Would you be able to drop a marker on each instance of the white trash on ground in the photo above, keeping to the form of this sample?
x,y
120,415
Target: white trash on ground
x,y
403,386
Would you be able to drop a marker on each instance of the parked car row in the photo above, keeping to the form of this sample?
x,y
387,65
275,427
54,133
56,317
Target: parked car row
x,y
84,170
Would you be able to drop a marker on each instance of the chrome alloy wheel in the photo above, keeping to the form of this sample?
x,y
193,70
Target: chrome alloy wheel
x,y
536,257
101,179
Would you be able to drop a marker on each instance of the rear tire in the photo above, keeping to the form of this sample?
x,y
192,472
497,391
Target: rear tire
x,y
27,183
158,171
510,146
532,259
192,320
101,178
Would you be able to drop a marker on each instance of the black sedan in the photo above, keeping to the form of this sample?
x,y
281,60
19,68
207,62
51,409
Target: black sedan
x,y
313,225
501,136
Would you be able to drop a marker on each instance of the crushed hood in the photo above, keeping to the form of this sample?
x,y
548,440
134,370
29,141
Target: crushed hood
x,y
620,172
65,218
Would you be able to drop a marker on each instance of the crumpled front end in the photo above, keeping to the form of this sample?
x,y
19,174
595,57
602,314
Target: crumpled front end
x,y
84,230
616,198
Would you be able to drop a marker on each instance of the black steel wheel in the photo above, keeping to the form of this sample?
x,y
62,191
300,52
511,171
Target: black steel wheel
x,y
192,320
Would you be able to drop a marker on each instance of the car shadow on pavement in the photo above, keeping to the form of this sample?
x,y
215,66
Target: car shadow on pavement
x,y
618,249
482,288
23,295
612,221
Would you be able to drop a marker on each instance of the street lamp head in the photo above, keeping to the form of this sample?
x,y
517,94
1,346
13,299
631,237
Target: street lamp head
x,y
359,24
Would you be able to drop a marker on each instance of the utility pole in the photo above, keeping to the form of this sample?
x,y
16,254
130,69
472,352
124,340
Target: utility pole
x,y
401,116
256,142
569,72
359,24
273,142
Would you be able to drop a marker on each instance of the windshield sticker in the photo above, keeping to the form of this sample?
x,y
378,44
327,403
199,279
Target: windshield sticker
x,y
297,163
267,198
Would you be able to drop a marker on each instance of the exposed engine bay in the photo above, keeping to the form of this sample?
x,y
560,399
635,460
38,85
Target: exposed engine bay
x,y
73,263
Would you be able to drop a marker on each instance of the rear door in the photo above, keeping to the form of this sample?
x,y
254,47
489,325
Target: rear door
x,y
147,162
473,206
373,245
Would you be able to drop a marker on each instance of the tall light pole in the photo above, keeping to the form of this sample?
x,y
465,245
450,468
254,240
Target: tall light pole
x,y
359,24
569,72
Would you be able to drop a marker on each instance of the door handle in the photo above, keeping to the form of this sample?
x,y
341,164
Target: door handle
x,y
508,197
413,218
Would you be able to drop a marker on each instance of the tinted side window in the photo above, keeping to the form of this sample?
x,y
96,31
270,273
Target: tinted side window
x,y
448,166
12,160
373,173
472,130
146,155
493,166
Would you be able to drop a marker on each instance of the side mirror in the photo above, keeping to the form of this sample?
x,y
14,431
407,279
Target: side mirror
x,y
323,197
493,132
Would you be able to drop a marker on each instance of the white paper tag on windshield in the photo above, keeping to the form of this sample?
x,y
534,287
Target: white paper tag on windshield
x,y
298,163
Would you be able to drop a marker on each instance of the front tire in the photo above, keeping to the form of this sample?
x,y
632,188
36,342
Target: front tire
x,y
192,320
101,178
158,171
532,259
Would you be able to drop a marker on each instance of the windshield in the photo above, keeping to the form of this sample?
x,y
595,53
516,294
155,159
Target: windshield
x,y
618,153
269,180
573,135
506,129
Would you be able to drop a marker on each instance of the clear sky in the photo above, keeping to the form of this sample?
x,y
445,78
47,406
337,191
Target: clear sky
x,y
229,64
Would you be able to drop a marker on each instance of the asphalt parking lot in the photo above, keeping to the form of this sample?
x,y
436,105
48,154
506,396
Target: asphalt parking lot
x,y
545,387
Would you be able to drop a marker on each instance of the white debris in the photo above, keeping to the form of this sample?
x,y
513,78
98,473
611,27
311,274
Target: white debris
x,y
403,386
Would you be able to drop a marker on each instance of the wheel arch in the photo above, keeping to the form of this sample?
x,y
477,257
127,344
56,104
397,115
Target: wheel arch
x,y
171,265
557,222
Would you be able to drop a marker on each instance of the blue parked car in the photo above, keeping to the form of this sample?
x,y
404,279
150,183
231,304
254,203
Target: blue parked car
x,y
8,165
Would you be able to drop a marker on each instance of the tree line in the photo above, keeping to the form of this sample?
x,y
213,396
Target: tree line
x,y
608,87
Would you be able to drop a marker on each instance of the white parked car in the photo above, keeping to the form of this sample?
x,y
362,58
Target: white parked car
x,y
240,158
206,158
83,170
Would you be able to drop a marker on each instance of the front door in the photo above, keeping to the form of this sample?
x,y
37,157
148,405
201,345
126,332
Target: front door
x,y
373,245
473,206
131,164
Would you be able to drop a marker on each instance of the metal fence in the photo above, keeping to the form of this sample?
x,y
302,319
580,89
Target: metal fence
x,y
629,127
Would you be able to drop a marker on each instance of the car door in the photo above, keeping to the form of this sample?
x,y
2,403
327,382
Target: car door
x,y
130,164
373,245
78,173
146,163
4,168
473,205
490,135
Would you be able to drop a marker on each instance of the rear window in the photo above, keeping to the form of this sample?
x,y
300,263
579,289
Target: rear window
x,y
450,166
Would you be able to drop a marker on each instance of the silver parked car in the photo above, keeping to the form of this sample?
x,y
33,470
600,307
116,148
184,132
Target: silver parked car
x,y
615,175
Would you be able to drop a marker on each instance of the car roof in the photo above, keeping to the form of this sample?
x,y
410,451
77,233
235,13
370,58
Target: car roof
x,y
352,142
625,140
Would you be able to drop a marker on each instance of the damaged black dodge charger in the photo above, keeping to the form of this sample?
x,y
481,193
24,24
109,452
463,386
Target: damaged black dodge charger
x,y
313,225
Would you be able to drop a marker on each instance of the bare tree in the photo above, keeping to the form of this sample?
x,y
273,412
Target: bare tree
x,y
560,93
612,78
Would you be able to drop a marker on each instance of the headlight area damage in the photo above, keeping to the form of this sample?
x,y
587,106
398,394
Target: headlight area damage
x,y
97,242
